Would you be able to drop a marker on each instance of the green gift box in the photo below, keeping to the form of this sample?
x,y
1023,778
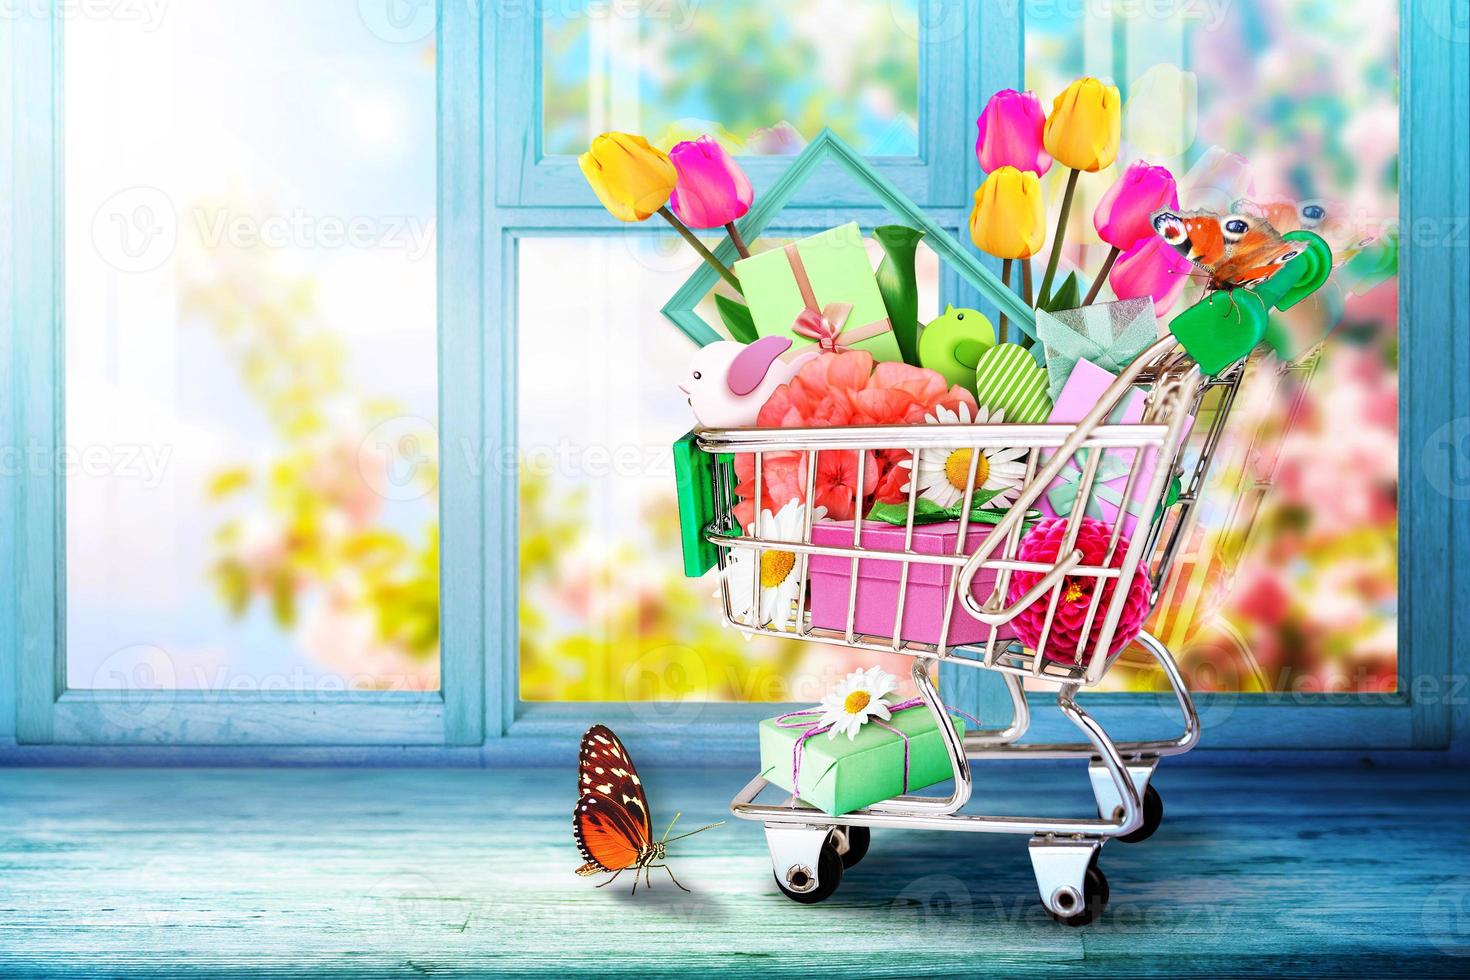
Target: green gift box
x,y
839,775
828,274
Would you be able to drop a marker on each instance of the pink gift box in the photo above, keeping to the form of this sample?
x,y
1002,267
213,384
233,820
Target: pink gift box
x,y
878,583
1085,385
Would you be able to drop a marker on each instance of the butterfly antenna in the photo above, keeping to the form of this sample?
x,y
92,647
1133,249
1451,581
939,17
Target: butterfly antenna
x,y
691,833
670,827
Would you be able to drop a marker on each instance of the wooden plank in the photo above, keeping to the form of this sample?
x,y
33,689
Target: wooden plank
x,y
352,873
1434,361
9,308
35,383
463,450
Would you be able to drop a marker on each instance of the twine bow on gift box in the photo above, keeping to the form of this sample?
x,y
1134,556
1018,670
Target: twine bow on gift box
x,y
827,325
801,718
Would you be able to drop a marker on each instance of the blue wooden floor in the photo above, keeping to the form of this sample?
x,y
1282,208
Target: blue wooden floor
x,y
447,873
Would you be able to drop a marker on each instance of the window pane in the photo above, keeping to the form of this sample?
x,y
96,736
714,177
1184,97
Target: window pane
x,y
250,351
763,75
1296,589
606,613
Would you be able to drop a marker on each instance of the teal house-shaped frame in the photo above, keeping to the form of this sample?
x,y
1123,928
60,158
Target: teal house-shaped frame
x,y
681,307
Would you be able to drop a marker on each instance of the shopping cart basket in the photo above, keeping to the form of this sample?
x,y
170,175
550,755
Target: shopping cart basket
x,y
810,848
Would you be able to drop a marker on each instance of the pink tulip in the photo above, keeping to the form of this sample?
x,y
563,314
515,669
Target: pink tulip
x,y
1010,133
1151,268
1124,215
711,189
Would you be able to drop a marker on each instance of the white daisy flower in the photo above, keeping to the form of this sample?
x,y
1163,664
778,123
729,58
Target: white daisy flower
x,y
861,695
942,472
780,576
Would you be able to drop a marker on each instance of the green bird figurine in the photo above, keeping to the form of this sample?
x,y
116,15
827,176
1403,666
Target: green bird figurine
x,y
953,342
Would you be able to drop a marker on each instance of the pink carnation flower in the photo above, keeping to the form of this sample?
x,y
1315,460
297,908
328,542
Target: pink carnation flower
x,y
1042,544
844,388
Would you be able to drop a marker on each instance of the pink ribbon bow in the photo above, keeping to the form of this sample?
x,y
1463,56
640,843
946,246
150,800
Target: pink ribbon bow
x,y
824,325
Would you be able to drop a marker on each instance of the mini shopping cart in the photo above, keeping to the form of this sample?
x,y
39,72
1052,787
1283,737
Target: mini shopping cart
x,y
809,848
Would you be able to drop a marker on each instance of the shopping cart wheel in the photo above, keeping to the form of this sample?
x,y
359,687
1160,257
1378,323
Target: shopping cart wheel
x,y
1153,815
858,839
796,881
1094,898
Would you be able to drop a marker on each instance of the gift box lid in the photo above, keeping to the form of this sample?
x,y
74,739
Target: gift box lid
x,y
929,539
836,266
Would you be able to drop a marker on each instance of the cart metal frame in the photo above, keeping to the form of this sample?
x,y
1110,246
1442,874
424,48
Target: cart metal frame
x,y
809,848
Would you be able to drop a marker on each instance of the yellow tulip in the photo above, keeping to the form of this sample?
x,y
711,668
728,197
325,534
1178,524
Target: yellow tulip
x,y
1085,123
1009,218
632,179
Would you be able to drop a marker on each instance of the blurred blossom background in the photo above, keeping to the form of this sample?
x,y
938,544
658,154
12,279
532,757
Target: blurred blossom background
x,y
285,379
1288,579
250,298
1295,587
761,77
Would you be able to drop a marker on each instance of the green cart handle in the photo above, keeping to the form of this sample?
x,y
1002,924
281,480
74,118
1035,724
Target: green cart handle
x,y
1226,326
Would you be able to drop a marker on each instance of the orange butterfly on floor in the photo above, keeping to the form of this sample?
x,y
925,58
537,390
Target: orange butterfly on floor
x,y
611,822
1235,251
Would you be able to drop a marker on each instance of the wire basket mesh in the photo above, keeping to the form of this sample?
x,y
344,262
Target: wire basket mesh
x,y
972,590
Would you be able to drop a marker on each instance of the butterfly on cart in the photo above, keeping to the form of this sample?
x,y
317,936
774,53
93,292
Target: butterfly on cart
x,y
1233,251
611,822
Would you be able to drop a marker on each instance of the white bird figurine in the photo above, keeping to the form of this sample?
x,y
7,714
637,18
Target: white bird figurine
x,y
728,382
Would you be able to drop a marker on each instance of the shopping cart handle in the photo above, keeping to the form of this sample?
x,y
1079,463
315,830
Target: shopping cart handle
x,y
994,617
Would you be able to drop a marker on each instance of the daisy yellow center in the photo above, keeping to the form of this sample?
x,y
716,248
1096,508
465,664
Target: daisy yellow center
x,y
775,566
1074,592
856,701
957,469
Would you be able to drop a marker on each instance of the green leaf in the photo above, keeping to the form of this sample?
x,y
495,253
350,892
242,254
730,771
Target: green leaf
x,y
927,511
1068,297
737,319
898,284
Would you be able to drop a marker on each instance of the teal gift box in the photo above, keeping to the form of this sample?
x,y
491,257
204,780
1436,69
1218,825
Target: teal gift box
x,y
829,274
838,775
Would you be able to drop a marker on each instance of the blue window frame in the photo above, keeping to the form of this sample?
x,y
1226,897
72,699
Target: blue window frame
x,y
496,187
39,708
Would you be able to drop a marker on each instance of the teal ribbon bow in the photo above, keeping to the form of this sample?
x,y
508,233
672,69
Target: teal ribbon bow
x,y
1109,335
1063,495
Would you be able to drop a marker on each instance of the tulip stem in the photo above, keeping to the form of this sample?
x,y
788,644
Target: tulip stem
x,y
698,246
1102,275
1005,279
736,240
1026,281
1056,242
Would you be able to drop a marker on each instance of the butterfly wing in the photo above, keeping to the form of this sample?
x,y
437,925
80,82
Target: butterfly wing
x,y
611,821
1236,250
